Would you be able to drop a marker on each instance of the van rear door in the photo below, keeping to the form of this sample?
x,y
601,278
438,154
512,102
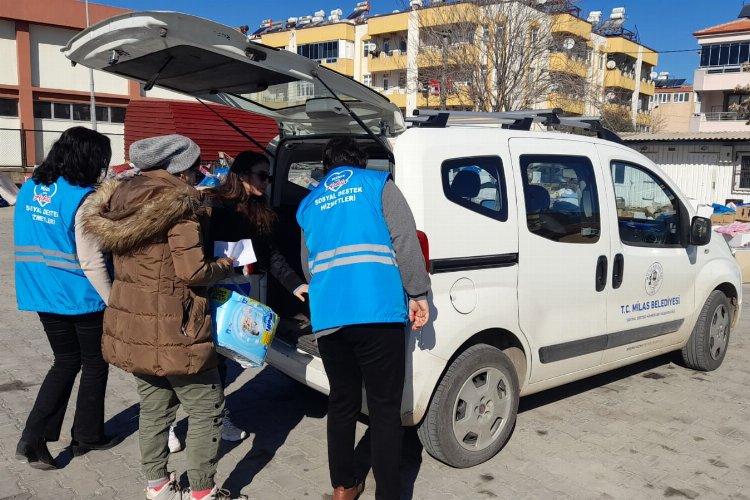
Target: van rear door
x,y
217,63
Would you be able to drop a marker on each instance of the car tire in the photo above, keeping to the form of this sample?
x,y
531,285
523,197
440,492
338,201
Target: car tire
x,y
473,411
707,345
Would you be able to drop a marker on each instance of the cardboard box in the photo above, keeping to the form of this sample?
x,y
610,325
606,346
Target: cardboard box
x,y
743,214
742,257
722,219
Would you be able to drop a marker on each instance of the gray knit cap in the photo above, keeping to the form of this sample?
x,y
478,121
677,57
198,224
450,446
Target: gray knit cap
x,y
174,152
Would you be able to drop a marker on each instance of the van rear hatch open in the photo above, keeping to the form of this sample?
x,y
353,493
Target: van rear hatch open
x,y
217,63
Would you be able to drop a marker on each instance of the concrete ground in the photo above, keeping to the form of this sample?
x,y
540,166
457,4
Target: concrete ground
x,y
652,430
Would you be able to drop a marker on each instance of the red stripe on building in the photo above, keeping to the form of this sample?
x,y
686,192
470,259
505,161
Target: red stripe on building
x,y
150,118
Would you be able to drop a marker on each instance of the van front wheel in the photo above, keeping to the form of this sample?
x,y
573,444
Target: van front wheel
x,y
707,345
473,411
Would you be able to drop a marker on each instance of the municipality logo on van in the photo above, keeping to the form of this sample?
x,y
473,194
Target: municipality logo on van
x,y
654,278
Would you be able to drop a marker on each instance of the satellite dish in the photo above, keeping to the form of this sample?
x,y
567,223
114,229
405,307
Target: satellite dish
x,y
653,75
610,96
611,64
569,43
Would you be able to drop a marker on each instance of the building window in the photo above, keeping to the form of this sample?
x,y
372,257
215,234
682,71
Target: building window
x,y
385,83
725,54
78,112
8,107
367,79
117,115
744,180
42,109
319,51
62,110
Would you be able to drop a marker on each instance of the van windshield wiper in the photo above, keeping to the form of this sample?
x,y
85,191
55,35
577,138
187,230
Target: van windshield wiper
x,y
378,139
238,129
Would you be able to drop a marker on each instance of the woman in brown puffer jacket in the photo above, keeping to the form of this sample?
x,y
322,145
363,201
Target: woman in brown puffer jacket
x,y
157,325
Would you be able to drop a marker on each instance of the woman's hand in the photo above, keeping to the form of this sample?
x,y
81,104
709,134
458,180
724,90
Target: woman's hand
x,y
302,289
419,313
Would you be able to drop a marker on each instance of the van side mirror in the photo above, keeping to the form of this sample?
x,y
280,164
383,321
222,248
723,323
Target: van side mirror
x,y
700,231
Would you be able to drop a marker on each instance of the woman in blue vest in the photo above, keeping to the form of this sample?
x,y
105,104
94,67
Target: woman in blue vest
x,y
62,276
367,280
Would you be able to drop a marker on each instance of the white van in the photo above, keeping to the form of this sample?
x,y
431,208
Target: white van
x,y
553,256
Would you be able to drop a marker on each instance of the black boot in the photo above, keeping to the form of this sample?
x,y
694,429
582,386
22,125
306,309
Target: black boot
x,y
35,452
79,448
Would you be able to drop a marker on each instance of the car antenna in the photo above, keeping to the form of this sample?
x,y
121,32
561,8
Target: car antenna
x,y
238,129
357,119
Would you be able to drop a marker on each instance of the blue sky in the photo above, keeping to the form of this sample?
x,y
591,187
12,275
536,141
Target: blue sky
x,y
662,24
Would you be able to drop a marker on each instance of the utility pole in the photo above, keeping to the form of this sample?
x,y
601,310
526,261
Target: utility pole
x,y
443,70
91,80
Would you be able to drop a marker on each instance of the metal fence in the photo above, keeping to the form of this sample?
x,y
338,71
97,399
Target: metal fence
x,y
15,153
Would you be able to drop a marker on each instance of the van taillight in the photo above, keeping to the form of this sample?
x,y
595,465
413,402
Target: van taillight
x,y
424,244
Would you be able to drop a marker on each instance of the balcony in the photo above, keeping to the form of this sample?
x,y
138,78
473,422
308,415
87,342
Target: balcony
x,y
616,78
568,23
707,79
561,62
343,66
568,105
394,60
725,121
388,23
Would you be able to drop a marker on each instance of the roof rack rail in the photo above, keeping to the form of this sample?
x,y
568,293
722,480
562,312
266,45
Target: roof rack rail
x,y
513,120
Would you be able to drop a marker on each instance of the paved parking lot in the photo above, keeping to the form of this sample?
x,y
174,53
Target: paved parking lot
x,y
652,430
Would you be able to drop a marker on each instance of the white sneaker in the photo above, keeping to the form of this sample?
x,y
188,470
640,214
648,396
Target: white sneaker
x,y
174,442
231,433
170,491
220,494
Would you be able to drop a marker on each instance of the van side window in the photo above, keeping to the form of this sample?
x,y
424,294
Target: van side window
x,y
562,203
648,212
476,183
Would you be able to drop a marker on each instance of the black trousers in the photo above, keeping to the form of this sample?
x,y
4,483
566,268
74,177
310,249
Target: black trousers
x,y
76,343
372,353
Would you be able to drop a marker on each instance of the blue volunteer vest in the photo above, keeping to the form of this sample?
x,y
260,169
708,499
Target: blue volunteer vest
x,y
355,279
48,273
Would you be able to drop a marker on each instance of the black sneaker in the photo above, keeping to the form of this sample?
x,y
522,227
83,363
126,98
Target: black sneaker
x,y
35,453
79,448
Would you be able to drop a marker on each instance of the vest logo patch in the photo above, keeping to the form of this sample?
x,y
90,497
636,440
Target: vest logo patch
x,y
43,194
336,181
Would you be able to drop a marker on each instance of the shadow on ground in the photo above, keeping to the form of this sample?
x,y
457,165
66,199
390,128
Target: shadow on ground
x,y
574,388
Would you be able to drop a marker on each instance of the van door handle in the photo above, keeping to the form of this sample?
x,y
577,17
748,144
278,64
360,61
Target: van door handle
x,y
618,269
601,273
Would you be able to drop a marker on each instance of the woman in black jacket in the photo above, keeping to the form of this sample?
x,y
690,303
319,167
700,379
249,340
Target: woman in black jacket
x,y
240,210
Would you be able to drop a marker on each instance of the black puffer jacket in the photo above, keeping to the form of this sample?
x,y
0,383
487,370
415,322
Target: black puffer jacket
x,y
227,224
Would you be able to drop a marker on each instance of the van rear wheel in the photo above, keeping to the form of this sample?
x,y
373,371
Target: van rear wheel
x,y
473,411
707,345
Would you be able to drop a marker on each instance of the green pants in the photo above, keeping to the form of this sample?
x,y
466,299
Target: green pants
x,y
202,397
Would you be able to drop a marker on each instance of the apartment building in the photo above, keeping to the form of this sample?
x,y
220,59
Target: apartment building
x,y
394,53
724,66
673,104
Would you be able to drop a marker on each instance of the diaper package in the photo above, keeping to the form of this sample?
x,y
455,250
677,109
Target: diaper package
x,y
243,327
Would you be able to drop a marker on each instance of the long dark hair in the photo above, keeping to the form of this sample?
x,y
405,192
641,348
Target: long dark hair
x,y
79,156
232,192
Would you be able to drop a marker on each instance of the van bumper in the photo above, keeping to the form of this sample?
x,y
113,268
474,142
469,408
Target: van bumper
x,y
418,387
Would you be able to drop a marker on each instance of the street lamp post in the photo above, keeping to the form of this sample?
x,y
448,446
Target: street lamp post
x,y
91,81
